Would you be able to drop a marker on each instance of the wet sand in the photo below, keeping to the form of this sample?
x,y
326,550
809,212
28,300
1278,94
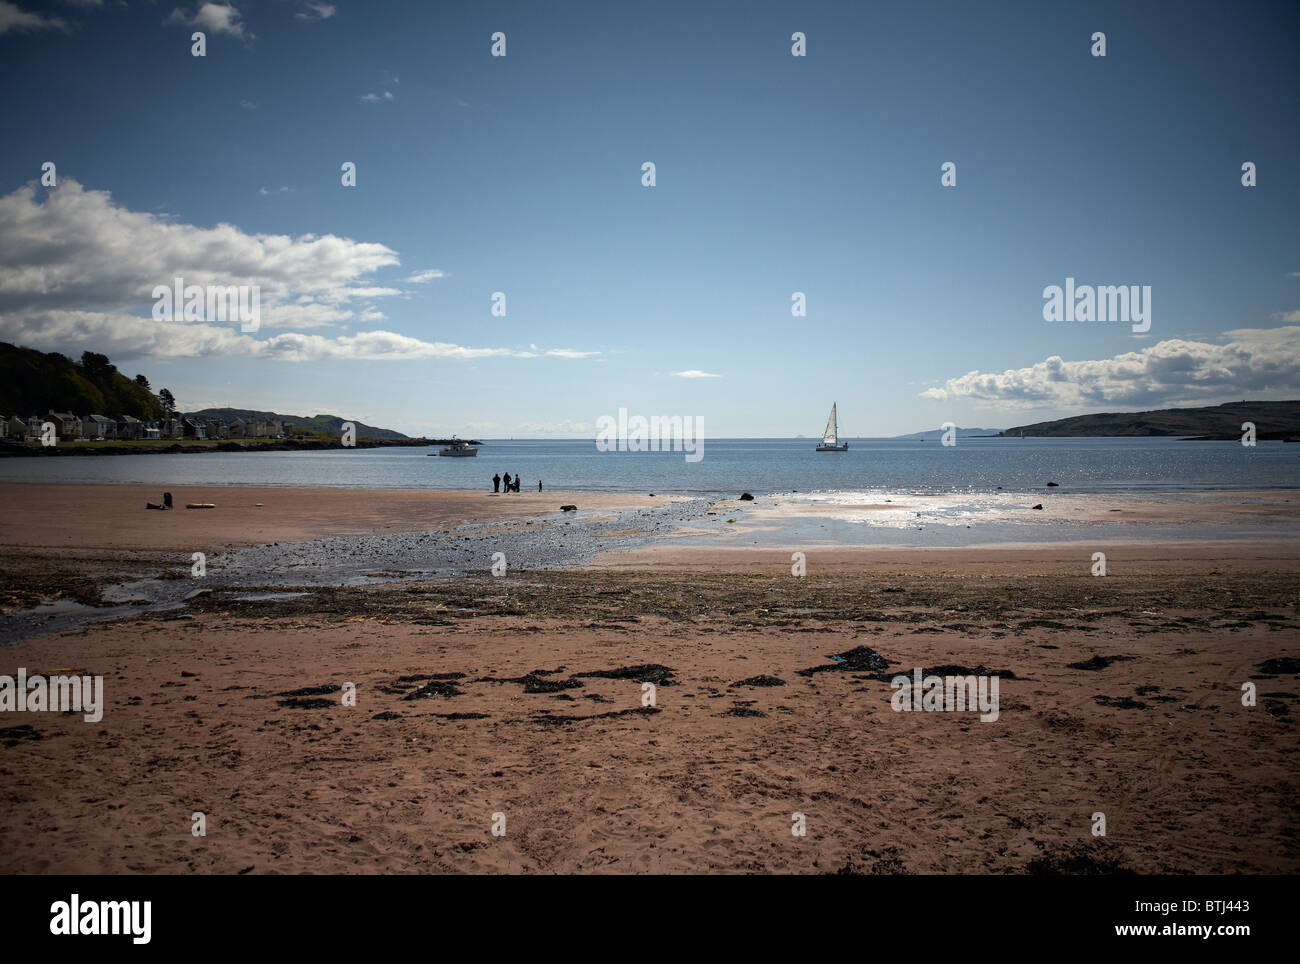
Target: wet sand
x,y
476,697
1148,558
114,516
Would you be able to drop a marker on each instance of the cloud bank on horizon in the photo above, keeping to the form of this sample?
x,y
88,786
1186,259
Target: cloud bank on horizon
x,y
1173,372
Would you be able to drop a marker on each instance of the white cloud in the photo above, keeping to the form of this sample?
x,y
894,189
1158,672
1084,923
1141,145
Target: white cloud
x,y
694,373
214,18
420,277
312,10
79,249
131,336
1252,361
15,18
376,98
568,353
77,271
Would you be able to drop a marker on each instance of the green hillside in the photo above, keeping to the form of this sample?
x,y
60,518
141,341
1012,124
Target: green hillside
x,y
1224,421
34,382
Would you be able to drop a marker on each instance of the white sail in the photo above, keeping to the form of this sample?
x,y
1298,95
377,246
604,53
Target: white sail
x,y
832,434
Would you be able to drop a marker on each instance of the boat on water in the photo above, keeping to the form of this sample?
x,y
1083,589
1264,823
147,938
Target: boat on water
x,y
831,437
459,448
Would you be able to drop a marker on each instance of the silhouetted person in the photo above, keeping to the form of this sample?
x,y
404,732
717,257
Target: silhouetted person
x,y
539,485
507,481
518,479
496,483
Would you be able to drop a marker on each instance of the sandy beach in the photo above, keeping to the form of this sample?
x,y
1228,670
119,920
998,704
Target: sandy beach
x,y
523,698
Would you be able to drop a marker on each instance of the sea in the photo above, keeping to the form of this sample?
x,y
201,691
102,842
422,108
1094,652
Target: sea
x,y
728,467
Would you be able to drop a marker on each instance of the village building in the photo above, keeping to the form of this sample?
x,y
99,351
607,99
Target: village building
x,y
96,427
129,427
66,424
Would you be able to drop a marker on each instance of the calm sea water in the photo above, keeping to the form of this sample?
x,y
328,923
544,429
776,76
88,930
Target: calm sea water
x,y
729,466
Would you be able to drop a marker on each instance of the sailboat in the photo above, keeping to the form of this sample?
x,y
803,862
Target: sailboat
x,y
831,437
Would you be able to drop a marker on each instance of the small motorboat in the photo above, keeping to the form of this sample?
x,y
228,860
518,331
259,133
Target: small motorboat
x,y
459,448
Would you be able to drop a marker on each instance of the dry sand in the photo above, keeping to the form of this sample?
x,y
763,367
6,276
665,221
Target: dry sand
x,y
589,779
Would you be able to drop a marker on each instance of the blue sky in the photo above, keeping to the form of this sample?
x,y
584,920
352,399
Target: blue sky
x,y
775,174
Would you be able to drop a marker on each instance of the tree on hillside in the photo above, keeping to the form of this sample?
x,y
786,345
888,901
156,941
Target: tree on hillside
x,y
168,401
142,382
96,367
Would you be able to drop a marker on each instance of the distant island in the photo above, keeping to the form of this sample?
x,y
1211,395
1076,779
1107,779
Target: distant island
x,y
1273,420
935,433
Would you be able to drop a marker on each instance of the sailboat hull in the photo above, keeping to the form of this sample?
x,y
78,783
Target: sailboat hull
x,y
842,447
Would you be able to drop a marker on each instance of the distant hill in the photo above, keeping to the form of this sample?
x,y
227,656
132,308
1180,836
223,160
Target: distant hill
x,y
1220,421
35,382
938,432
325,424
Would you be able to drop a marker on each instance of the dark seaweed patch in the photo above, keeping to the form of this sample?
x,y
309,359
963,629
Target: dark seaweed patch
x,y
421,677
1121,702
312,690
435,687
555,719
642,673
761,681
1279,665
858,659
1078,860
1098,662
24,732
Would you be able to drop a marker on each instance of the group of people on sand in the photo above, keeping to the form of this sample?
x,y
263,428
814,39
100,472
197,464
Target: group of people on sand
x,y
510,485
